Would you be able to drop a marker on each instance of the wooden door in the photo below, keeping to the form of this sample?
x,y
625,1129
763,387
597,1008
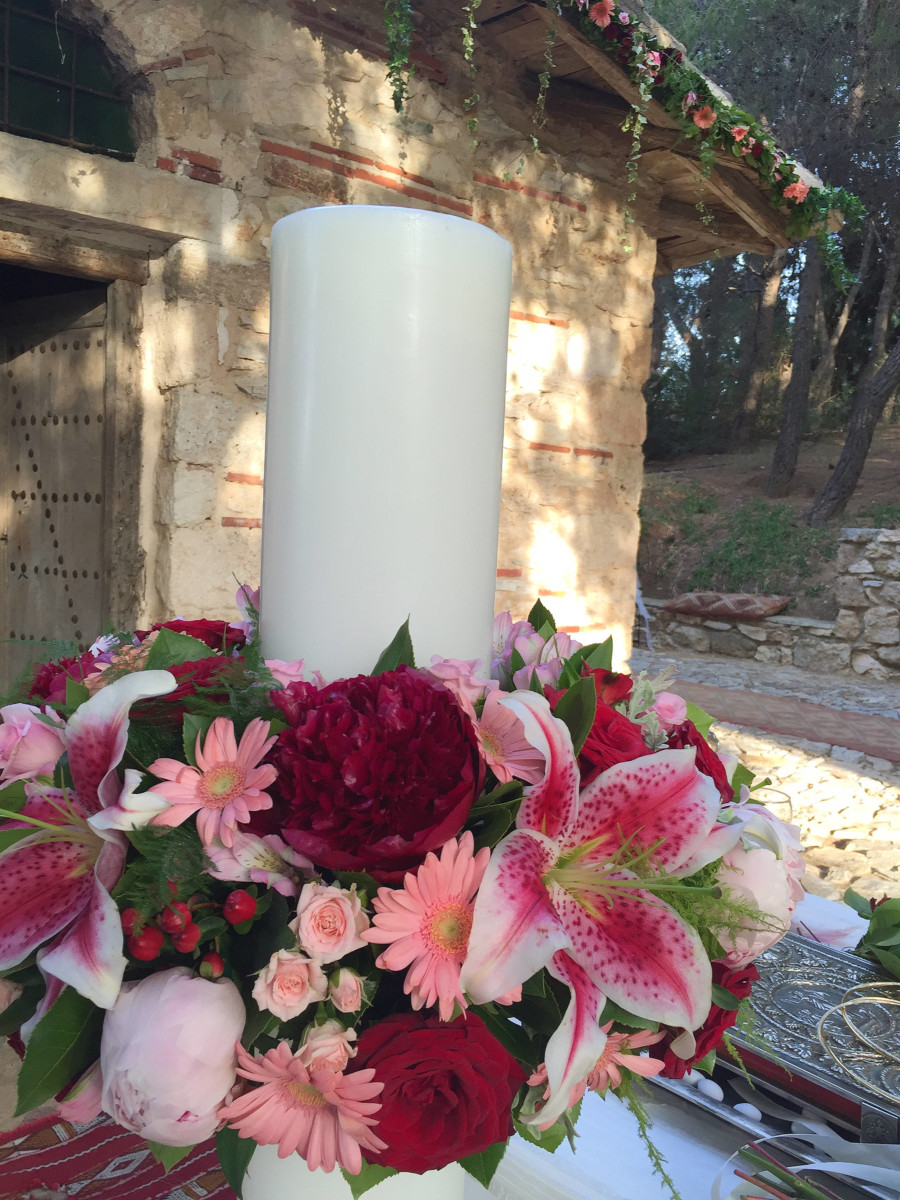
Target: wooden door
x,y
54,510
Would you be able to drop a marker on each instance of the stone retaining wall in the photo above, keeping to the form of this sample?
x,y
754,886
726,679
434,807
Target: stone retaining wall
x,y
863,639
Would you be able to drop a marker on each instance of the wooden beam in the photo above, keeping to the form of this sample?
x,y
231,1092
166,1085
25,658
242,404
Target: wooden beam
x,y
675,219
735,192
600,62
54,252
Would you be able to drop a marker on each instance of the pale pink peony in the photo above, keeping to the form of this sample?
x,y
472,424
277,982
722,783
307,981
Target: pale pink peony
x,y
224,788
167,1055
83,1101
319,1114
427,924
329,921
328,1045
501,739
285,672
756,876
671,709
28,745
345,990
250,859
288,984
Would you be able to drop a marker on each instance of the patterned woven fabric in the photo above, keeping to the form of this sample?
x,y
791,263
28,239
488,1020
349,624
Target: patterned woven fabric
x,y
51,1158
734,606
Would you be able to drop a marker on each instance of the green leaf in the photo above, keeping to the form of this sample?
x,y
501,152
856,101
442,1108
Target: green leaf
x,y
483,1166
885,920
706,1063
168,1156
234,1157
577,708
398,654
741,777
548,1139
612,1012
10,836
191,727
491,827
76,693
506,793
12,797
509,1034
858,903
701,719
369,1176
539,616
890,962
599,656
534,684
724,999
20,1010
169,649
364,883
65,1042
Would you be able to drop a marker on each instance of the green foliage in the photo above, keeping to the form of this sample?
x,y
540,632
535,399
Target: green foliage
x,y
164,854
168,1156
484,1166
764,544
234,1154
64,1043
881,516
398,653
398,27
370,1175
881,941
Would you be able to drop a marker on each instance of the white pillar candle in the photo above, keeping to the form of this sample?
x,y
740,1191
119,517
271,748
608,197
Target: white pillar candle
x,y
384,435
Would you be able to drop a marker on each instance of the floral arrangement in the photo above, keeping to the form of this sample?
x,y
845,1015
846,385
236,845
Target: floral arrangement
x,y
380,922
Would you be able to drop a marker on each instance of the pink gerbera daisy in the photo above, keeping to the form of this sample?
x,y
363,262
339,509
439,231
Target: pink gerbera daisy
x,y
323,1115
226,785
501,737
618,1053
427,922
601,13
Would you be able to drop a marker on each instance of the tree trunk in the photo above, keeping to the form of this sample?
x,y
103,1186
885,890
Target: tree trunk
x,y
882,315
796,397
823,376
870,403
762,350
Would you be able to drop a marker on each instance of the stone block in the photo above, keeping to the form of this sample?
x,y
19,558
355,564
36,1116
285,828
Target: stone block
x,y
890,655
855,536
731,643
193,495
200,426
881,626
756,632
821,656
865,664
721,626
847,625
689,639
849,592
862,566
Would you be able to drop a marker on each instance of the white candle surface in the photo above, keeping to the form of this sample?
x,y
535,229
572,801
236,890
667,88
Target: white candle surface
x,y
384,435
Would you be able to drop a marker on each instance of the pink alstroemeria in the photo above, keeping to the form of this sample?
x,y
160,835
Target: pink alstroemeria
x,y
267,860
55,883
559,893
503,744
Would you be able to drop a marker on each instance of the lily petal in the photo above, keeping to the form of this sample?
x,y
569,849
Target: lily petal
x,y
639,952
515,929
661,798
576,1044
43,884
98,731
551,805
89,955
133,809
51,995
720,840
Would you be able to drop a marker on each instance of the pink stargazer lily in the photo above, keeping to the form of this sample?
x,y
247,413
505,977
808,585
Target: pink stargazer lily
x,y
559,893
55,883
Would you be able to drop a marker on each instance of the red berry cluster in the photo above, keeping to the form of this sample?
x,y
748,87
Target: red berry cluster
x,y
145,942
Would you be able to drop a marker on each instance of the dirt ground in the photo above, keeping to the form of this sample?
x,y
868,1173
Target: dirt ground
x,y
725,482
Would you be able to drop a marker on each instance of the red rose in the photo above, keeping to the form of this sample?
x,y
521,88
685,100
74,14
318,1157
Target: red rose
x,y
374,772
218,635
192,677
448,1089
708,762
49,679
709,1036
611,686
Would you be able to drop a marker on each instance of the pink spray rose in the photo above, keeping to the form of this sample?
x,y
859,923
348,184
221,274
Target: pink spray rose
x,y
345,990
671,709
289,984
28,747
328,1046
167,1055
329,921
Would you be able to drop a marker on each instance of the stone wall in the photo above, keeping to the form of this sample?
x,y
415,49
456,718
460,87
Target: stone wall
x,y
864,639
252,109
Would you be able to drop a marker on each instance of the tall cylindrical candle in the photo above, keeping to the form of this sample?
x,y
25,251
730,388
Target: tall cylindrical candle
x,y
384,435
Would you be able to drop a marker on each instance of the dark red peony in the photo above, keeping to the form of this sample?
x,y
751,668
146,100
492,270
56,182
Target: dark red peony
x,y
448,1088
218,635
373,772
739,981
708,761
